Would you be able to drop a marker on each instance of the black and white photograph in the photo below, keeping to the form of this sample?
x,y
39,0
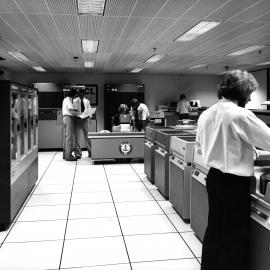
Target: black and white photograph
x,y
136,135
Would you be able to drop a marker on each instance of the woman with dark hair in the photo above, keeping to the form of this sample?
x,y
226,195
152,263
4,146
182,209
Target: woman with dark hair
x,y
226,136
183,107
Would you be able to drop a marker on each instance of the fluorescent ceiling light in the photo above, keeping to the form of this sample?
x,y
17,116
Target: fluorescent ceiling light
x,y
89,46
247,50
88,64
197,30
91,6
136,70
263,64
154,58
19,56
39,69
197,66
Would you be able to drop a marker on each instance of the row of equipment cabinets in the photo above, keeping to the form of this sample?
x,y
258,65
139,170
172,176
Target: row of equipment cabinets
x,y
19,148
172,163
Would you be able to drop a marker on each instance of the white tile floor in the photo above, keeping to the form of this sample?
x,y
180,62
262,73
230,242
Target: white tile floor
x,y
97,217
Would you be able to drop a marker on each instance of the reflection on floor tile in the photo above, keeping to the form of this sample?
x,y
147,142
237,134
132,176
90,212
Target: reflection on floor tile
x,y
146,224
37,231
183,264
91,210
127,186
193,242
94,251
104,267
123,178
132,196
138,208
167,207
157,247
157,195
31,255
92,197
179,224
35,213
95,187
48,199
52,189
96,227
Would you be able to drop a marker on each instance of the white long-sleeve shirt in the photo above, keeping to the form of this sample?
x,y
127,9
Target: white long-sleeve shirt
x,y
226,136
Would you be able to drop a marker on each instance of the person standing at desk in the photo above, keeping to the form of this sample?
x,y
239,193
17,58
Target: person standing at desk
x,y
226,136
139,114
83,106
69,112
183,108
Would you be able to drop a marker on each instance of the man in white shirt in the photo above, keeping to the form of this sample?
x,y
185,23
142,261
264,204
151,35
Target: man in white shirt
x,y
83,106
226,136
183,107
68,112
140,114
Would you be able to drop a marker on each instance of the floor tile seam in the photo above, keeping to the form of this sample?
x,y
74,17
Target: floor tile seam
x,y
67,218
35,241
52,205
26,201
115,209
96,265
165,260
173,224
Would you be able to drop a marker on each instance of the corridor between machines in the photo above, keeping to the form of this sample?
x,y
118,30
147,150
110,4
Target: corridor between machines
x,y
85,216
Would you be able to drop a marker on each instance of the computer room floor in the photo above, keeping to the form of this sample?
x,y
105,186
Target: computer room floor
x,y
97,217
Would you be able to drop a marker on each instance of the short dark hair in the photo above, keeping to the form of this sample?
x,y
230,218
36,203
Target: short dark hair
x,y
237,85
72,92
82,91
182,96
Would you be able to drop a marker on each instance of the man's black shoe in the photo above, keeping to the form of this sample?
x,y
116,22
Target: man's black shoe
x,y
78,157
72,158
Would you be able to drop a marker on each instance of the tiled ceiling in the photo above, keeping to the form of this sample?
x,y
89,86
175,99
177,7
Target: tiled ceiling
x,y
49,32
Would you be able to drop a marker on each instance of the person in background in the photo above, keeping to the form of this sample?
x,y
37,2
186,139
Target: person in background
x,y
82,105
183,108
69,113
139,114
122,109
226,136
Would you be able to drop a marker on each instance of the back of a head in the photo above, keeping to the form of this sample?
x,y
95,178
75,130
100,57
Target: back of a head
x,y
134,103
237,85
72,93
182,96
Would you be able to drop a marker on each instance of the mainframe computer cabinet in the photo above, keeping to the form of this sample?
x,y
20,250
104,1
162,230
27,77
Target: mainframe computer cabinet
x,y
18,148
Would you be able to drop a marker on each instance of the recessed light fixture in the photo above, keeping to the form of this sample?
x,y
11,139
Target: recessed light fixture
x,y
89,46
197,66
19,56
197,30
88,64
91,6
136,70
247,50
154,58
39,69
263,64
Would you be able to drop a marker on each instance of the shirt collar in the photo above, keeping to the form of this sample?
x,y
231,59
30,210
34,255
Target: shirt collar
x,y
223,99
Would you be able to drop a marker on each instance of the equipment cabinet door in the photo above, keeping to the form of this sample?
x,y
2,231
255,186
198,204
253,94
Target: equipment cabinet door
x,y
15,127
24,124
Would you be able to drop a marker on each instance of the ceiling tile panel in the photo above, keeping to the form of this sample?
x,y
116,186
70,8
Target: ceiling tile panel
x,y
203,9
177,29
263,18
67,26
148,8
254,11
134,27
113,27
18,43
44,25
176,8
63,6
119,7
9,6
73,46
157,27
20,24
106,46
6,30
33,6
90,26
5,45
230,9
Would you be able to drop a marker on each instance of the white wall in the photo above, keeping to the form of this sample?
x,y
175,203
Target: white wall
x,y
159,89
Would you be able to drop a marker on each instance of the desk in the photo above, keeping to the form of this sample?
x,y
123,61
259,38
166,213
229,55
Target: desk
x,y
116,145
